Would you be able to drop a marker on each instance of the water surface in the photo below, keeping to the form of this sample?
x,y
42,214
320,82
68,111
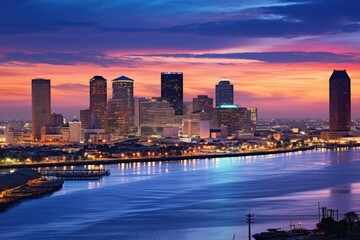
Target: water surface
x,y
193,199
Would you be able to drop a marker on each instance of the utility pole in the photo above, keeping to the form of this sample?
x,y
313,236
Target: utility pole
x,y
249,221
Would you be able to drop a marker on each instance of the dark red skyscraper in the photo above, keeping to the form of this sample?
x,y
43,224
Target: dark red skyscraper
x,y
41,105
340,102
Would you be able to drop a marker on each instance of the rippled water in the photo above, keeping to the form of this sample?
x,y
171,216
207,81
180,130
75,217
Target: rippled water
x,y
193,199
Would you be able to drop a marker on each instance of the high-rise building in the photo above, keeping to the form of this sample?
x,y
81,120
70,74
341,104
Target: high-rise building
x,y
340,102
85,118
123,91
41,105
253,116
98,101
119,117
234,117
203,103
172,89
55,120
137,101
156,111
224,92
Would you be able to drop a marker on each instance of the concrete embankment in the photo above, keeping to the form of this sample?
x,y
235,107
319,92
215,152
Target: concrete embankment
x,y
156,159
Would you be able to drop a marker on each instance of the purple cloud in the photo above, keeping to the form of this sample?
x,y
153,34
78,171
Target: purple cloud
x,y
275,57
59,58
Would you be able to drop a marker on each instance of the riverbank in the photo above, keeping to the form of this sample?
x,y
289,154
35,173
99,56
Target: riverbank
x,y
156,159
25,184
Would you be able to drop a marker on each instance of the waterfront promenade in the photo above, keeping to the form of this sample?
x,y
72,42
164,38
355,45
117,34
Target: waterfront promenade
x,y
152,159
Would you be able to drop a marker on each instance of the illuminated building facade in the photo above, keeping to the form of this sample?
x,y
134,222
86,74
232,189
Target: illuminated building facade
x,y
41,105
85,118
203,103
253,117
156,111
119,117
98,102
234,117
340,102
75,131
224,92
172,89
123,90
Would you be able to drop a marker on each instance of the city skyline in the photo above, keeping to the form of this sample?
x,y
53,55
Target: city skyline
x,y
61,41
76,113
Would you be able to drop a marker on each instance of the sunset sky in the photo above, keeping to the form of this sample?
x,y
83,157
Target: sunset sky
x,y
278,54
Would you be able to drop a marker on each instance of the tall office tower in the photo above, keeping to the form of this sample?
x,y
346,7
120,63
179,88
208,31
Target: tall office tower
x,y
340,102
41,105
98,101
203,103
172,89
123,89
224,92
119,117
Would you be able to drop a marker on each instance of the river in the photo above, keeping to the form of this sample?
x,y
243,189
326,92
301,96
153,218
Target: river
x,y
193,199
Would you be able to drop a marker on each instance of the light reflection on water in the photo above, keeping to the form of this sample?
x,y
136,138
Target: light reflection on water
x,y
193,199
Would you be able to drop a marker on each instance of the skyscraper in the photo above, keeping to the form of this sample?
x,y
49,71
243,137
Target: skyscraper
x,y
123,91
41,105
172,89
224,92
119,117
98,101
340,102
234,117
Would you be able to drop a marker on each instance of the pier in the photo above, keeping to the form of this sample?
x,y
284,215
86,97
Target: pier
x,y
76,174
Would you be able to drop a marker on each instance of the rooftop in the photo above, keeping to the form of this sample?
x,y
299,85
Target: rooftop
x,y
228,106
97,78
123,78
339,74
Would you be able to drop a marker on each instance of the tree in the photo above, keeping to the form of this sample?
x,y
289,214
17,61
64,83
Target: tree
x,y
350,218
286,141
339,229
326,225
